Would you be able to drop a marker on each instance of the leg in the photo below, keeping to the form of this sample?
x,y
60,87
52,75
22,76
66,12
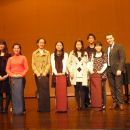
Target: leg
x,y
86,96
119,89
82,95
8,98
1,102
77,95
104,93
44,95
111,79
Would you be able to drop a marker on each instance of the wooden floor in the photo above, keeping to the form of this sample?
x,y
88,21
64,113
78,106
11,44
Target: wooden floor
x,y
73,119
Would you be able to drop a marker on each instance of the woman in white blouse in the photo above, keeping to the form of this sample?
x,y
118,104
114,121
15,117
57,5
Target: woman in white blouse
x,y
59,76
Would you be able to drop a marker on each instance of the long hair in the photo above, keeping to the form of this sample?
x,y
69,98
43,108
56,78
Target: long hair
x,y
82,49
3,42
62,51
19,45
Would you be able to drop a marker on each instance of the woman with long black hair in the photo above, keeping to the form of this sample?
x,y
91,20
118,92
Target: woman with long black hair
x,y
77,66
4,79
59,73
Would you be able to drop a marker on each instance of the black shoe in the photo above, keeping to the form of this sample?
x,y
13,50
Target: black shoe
x,y
83,107
88,105
5,111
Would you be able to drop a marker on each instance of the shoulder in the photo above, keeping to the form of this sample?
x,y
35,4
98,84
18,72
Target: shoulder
x,y
35,52
118,45
52,55
23,56
46,52
66,54
71,53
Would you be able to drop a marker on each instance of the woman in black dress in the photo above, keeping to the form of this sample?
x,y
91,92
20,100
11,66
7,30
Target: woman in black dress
x,y
4,80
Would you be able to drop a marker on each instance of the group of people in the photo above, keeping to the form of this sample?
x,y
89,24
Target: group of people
x,y
86,69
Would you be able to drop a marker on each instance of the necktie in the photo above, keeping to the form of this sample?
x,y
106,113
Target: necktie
x,y
110,49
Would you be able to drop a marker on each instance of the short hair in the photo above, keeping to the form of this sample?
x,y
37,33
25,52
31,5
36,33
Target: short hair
x,y
108,34
37,41
98,43
91,34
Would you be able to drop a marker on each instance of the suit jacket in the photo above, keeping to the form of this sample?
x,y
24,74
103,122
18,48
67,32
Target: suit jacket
x,y
117,58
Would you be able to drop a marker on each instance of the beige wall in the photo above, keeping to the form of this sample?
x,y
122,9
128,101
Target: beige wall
x,y
67,20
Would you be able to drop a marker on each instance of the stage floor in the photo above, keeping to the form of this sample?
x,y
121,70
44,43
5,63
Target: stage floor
x,y
73,119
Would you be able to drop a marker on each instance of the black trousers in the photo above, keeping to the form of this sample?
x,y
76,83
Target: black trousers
x,y
79,93
5,88
42,83
87,95
8,98
116,86
104,92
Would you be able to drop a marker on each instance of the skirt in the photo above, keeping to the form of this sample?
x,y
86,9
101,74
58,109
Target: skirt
x,y
96,90
61,94
42,83
17,93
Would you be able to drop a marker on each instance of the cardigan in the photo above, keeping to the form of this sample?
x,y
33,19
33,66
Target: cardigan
x,y
72,67
64,61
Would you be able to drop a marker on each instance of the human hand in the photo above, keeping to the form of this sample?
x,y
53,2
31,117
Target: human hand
x,y
118,73
71,76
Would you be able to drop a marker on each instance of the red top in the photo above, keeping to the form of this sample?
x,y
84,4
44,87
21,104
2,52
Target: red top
x,y
17,65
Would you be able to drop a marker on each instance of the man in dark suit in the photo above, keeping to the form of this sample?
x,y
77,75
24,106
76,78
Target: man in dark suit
x,y
116,67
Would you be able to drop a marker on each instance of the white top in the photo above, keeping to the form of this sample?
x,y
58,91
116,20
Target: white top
x,y
79,67
64,61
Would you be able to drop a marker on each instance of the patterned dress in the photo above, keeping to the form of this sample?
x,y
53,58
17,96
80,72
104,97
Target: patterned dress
x,y
98,64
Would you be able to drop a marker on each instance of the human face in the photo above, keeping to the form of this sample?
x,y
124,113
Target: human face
x,y
59,46
98,48
78,45
91,39
16,50
41,44
110,39
2,47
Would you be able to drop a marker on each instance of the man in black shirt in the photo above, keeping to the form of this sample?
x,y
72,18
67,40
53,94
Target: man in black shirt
x,y
90,50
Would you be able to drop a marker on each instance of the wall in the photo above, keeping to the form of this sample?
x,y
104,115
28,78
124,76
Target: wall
x,y
25,21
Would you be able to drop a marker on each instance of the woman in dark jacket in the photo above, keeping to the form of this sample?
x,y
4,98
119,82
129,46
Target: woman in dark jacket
x,y
4,80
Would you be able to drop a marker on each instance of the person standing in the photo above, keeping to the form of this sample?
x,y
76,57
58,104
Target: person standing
x,y
59,73
77,66
4,79
116,67
98,70
41,68
16,68
90,51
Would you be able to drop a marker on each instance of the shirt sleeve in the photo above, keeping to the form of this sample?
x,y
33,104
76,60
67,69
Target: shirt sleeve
x,y
8,68
25,64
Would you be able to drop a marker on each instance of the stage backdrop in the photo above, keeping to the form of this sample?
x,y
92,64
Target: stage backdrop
x,y
25,21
